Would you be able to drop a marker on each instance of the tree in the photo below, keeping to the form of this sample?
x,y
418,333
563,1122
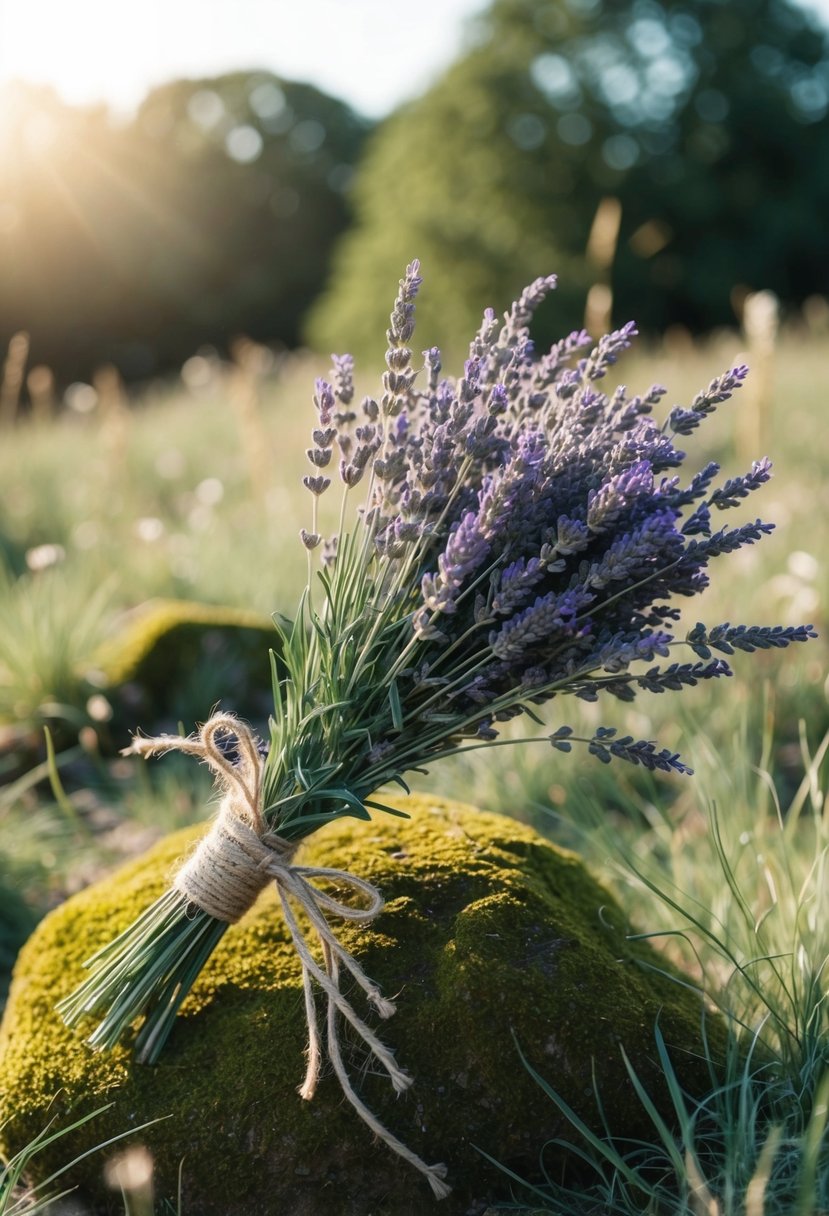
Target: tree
x,y
212,213
706,118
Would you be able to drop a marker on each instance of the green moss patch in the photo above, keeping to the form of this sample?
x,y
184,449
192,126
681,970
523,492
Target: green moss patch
x,y
490,937
174,660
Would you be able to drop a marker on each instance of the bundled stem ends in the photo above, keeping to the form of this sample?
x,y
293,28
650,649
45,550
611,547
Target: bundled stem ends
x,y
233,863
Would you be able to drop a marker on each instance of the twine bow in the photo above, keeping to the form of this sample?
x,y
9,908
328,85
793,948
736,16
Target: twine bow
x,y
235,861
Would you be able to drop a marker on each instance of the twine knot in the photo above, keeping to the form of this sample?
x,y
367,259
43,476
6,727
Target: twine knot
x,y
237,859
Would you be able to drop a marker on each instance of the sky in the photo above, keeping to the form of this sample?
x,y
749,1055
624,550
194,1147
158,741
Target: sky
x,y
372,53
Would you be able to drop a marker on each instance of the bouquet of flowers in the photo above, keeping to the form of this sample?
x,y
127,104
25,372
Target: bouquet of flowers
x,y
520,538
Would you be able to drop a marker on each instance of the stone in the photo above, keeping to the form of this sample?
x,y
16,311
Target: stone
x,y
173,660
492,940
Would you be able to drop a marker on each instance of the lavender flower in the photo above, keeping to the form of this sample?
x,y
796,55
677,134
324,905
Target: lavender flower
x,y
324,401
517,543
736,488
529,534
317,485
607,352
343,376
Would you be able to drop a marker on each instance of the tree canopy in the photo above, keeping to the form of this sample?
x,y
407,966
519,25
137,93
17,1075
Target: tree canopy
x,y
212,212
705,118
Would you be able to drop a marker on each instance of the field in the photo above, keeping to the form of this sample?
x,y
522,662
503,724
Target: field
x,y
192,491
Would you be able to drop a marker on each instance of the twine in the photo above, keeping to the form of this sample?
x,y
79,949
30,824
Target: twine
x,y
236,860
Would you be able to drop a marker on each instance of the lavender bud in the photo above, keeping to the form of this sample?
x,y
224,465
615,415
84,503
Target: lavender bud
x,y
324,401
397,381
432,362
398,360
521,313
318,456
317,485
486,730
424,629
309,539
343,376
486,335
402,318
607,351
720,389
324,439
350,473
498,400
362,456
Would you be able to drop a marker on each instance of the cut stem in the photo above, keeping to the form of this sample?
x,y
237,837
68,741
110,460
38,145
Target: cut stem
x,y
148,971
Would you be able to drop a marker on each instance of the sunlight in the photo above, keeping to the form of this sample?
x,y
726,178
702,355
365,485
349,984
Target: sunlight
x,y
94,50
87,50
363,50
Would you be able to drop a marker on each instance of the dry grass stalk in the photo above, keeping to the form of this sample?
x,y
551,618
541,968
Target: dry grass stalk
x,y
114,415
14,369
40,384
600,252
761,320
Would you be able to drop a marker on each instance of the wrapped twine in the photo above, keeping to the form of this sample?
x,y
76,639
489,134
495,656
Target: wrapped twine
x,y
236,860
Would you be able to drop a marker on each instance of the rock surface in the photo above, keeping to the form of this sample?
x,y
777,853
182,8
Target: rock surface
x,y
173,660
492,938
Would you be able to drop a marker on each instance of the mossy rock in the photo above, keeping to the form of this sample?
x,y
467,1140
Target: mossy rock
x,y
174,661
492,938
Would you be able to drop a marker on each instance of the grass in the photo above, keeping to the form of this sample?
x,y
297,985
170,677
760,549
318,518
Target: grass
x,y
177,518
738,897
19,1199
726,870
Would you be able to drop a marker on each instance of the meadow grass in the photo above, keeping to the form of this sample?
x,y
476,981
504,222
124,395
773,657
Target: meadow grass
x,y
731,885
168,510
726,870
17,1198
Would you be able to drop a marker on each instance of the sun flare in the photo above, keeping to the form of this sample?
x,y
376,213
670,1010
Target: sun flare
x,y
93,50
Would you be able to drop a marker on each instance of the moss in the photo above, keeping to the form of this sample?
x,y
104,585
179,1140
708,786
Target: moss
x,y
174,660
491,937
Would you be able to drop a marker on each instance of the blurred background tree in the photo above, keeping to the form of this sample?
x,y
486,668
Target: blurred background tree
x,y
695,130
212,213
705,119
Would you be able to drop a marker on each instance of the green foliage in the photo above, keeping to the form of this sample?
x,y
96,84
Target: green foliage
x,y
49,630
64,485
707,121
19,1199
212,213
740,896
181,473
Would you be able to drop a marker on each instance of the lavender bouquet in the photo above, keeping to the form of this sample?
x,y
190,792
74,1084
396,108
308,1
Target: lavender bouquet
x,y
520,538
